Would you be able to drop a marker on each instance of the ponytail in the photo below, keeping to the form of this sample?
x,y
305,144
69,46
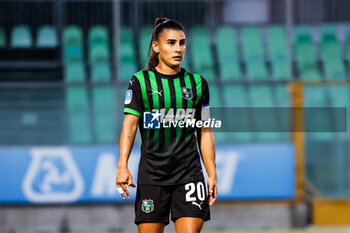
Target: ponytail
x,y
159,25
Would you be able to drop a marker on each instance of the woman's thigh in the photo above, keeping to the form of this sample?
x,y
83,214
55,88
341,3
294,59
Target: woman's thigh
x,y
188,225
151,227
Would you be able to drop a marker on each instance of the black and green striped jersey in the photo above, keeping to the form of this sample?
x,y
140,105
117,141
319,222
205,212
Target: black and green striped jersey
x,y
169,155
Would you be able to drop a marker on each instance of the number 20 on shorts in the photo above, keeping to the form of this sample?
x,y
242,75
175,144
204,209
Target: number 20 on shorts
x,y
191,188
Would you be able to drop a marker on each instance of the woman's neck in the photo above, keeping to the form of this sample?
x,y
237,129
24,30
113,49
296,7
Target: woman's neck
x,y
164,69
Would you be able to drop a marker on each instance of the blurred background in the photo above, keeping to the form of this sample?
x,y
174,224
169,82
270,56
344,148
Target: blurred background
x,y
64,70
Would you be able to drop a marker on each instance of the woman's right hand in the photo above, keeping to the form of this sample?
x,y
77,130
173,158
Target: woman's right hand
x,y
124,178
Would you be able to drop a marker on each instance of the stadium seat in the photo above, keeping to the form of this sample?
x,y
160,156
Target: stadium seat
x,y
284,103
126,55
235,96
99,53
145,39
98,35
226,44
79,115
253,53
347,42
261,96
72,35
305,54
46,37
331,55
278,53
101,72
21,37
339,98
202,56
73,53
104,114
2,37
215,97
316,97
75,72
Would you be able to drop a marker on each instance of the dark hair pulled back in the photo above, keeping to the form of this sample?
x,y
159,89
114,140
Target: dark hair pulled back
x,y
159,25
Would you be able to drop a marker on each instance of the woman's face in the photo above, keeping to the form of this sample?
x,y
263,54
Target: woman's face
x,y
171,47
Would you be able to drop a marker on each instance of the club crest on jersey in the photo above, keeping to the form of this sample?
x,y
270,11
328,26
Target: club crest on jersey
x,y
147,206
186,93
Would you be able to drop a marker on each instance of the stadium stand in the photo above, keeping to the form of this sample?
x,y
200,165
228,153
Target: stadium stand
x,y
77,103
47,37
202,56
21,37
2,38
253,52
305,54
228,58
279,54
104,114
126,55
331,56
73,50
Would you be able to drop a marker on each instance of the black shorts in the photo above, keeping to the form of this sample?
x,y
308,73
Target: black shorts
x,y
154,203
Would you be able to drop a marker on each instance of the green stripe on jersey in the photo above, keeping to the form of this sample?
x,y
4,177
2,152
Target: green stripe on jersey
x,y
141,78
167,105
155,98
198,80
189,104
178,95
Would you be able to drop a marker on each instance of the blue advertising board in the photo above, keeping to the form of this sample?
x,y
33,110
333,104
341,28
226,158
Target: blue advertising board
x,y
87,174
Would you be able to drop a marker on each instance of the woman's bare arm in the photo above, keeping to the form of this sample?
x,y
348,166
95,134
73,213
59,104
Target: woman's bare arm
x,y
207,149
126,143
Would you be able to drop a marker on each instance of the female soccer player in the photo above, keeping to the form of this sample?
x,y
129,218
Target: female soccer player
x,y
170,177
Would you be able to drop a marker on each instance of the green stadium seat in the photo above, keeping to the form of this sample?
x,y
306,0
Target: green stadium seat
x,y
347,42
73,53
331,55
278,53
283,102
235,96
72,35
253,53
261,96
202,56
21,37
46,37
145,39
2,37
226,44
104,114
101,72
126,56
316,96
339,98
79,115
215,99
99,54
75,72
98,35
305,54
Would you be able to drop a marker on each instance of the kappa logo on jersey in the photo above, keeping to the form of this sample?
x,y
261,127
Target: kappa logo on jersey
x,y
151,120
52,176
128,97
186,93
147,206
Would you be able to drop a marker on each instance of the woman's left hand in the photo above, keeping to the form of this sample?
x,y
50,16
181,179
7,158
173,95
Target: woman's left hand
x,y
212,187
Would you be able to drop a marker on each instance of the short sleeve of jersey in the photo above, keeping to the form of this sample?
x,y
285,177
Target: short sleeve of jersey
x,y
205,112
133,98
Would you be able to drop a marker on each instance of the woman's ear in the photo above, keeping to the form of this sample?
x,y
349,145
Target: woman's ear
x,y
155,46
